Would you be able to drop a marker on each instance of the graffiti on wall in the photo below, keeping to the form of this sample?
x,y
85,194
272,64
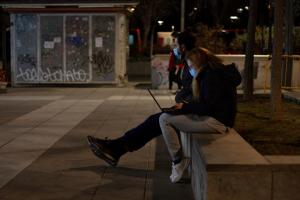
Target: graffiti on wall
x,y
48,75
25,42
27,59
102,63
159,72
51,48
77,43
25,22
103,34
74,58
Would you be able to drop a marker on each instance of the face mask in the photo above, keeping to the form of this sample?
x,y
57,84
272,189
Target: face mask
x,y
193,72
176,52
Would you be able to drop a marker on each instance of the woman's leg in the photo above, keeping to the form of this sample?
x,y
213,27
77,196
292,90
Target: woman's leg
x,y
172,124
171,137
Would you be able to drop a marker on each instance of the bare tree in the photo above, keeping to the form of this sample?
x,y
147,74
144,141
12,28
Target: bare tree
x,y
276,101
219,9
149,11
248,73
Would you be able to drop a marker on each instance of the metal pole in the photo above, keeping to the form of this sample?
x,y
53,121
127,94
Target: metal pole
x,y
182,15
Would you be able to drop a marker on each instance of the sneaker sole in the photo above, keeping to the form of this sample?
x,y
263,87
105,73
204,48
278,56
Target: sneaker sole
x,y
101,154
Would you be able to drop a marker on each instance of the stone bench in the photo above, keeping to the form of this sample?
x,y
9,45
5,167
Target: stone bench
x,y
225,166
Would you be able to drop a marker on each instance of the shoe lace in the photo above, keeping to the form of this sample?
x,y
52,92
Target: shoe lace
x,y
174,169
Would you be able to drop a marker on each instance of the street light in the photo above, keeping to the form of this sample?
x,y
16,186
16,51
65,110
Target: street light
x,y
131,9
234,17
160,22
240,10
246,7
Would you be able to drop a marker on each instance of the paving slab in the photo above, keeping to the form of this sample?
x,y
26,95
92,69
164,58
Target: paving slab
x,y
22,151
46,155
14,109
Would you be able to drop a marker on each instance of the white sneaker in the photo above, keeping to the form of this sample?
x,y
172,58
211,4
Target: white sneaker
x,y
178,170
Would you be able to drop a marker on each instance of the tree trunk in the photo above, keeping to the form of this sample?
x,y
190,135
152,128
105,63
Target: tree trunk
x,y
276,101
147,29
270,29
248,73
289,29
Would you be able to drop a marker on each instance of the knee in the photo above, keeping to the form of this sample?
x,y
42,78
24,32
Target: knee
x,y
154,117
163,118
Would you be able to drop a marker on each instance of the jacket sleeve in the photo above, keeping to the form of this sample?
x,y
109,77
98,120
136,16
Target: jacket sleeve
x,y
211,92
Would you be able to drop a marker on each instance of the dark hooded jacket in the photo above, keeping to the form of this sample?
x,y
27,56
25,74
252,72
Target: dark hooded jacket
x,y
218,97
185,95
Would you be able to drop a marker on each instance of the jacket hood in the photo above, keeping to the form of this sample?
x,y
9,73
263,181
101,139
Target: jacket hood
x,y
229,72
232,74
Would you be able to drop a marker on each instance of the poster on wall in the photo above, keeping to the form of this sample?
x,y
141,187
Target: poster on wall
x,y
103,48
51,49
26,69
77,49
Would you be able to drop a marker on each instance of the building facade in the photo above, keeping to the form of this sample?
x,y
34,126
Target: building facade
x,y
69,43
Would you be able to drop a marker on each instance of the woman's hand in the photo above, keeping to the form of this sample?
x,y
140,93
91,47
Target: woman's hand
x,y
178,106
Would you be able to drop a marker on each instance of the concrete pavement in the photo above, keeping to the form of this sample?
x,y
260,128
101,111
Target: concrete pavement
x,y
44,154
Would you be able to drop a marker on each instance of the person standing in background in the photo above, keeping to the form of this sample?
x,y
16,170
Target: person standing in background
x,y
185,43
175,64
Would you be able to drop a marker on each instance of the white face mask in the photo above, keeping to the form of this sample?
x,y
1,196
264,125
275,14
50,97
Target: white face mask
x,y
192,69
176,52
193,72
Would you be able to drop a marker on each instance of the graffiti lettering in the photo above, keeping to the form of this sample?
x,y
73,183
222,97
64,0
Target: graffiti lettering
x,y
102,63
33,75
159,72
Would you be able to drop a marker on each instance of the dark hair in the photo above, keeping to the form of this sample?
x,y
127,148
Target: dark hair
x,y
175,34
200,56
187,39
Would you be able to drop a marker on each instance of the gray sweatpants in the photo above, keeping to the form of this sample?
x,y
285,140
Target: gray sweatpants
x,y
171,125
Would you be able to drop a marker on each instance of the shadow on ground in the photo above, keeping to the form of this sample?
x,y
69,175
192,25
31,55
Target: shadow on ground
x,y
162,187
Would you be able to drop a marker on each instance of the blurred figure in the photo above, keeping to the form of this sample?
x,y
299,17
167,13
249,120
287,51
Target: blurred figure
x,y
185,43
175,64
